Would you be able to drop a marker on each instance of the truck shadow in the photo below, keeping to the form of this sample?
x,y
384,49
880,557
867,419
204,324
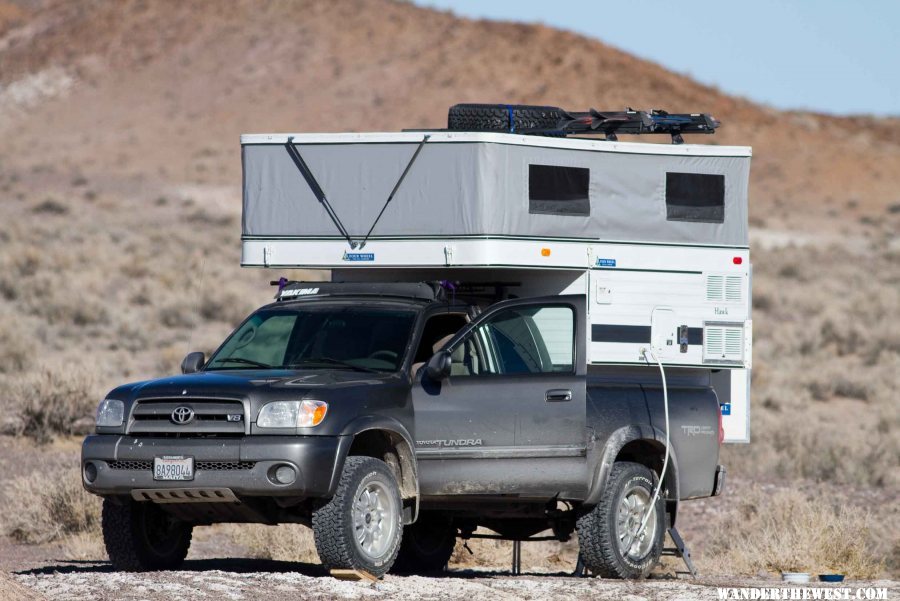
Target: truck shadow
x,y
236,565
239,565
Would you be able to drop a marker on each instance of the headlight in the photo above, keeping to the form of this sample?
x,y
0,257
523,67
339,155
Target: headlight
x,y
110,413
292,414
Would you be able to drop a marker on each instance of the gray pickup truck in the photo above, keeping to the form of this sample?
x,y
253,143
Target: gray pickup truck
x,y
393,419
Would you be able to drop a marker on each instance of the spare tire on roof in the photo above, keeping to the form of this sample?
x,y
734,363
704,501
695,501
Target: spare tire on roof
x,y
504,117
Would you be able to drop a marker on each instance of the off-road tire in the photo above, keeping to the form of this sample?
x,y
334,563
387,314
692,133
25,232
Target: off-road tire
x,y
130,548
427,545
332,524
597,539
496,117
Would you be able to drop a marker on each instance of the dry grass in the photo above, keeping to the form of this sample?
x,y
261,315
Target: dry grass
x,y
285,542
51,402
789,531
49,506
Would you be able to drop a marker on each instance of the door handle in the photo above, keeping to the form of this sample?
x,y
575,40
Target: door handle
x,y
556,395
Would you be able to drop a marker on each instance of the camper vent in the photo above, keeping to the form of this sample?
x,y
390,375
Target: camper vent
x,y
723,343
724,288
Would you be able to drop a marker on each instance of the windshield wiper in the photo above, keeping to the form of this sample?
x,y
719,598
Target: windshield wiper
x,y
245,362
335,362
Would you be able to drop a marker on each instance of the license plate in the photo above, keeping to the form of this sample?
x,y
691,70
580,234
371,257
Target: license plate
x,y
173,467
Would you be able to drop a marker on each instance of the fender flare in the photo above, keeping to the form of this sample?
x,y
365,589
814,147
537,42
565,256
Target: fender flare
x,y
406,450
615,443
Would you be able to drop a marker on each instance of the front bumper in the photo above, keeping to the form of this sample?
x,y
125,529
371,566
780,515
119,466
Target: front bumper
x,y
243,465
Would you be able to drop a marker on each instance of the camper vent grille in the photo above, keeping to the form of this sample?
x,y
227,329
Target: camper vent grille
x,y
724,288
723,343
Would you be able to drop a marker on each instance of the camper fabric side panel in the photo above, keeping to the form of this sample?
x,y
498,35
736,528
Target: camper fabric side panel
x,y
482,189
438,197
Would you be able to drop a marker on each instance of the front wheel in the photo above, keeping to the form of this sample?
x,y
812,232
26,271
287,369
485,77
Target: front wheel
x,y
608,535
139,536
360,528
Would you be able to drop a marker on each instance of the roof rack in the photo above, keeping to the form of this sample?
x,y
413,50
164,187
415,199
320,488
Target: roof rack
x,y
438,290
554,121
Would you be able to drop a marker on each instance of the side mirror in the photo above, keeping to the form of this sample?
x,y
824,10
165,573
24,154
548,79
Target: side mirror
x,y
438,367
193,362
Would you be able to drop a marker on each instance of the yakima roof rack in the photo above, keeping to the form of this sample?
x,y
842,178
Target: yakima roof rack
x,y
437,290
554,121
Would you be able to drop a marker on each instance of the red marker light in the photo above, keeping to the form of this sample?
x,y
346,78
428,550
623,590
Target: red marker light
x,y
737,260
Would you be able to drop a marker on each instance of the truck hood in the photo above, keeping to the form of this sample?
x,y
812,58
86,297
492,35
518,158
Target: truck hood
x,y
249,383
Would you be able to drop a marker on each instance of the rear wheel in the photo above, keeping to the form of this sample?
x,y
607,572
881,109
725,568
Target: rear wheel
x,y
142,537
608,535
427,545
360,528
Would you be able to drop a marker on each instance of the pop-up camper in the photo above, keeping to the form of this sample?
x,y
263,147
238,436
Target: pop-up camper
x,y
655,235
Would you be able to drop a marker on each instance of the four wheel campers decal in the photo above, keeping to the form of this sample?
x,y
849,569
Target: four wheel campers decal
x,y
358,256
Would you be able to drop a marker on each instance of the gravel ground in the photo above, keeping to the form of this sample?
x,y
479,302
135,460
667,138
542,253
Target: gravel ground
x,y
257,579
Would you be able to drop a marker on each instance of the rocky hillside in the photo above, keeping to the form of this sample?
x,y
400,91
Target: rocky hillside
x,y
161,91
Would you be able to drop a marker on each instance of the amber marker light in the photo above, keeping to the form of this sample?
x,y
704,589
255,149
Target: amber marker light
x,y
312,413
545,252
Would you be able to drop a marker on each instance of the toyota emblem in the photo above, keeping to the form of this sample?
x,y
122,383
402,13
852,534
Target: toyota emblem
x,y
183,415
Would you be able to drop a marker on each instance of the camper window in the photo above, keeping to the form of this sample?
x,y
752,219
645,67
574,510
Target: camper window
x,y
695,197
554,190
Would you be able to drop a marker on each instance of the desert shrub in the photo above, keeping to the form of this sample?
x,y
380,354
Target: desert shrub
x,y
49,506
50,402
16,346
788,531
51,206
285,542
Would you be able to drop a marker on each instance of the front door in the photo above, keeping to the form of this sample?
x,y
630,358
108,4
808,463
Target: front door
x,y
510,418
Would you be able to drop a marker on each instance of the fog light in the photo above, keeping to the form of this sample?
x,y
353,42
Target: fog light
x,y
90,472
285,474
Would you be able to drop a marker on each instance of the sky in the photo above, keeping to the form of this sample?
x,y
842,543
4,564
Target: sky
x,y
830,56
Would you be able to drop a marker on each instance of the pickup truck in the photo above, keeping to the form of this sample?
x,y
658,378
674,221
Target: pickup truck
x,y
393,419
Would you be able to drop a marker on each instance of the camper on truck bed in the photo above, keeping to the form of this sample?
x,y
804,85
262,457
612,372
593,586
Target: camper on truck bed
x,y
522,332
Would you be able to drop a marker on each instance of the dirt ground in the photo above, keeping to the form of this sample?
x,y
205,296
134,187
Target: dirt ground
x,y
207,577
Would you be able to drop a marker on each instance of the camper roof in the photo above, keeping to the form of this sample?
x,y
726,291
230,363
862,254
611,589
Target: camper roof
x,y
414,137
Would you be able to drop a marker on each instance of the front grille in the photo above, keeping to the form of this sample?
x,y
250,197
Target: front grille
x,y
212,466
131,465
226,466
211,417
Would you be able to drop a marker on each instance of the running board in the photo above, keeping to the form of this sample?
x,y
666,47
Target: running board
x,y
185,495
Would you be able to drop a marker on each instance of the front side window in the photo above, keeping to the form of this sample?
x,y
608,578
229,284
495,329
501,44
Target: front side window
x,y
313,337
519,340
555,190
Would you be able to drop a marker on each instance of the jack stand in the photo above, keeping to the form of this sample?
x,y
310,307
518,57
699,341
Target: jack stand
x,y
517,558
680,550
580,569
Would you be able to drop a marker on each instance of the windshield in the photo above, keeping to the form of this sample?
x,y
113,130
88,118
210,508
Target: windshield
x,y
315,337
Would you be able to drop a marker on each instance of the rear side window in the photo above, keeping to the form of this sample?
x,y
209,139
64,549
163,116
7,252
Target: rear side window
x,y
554,190
695,197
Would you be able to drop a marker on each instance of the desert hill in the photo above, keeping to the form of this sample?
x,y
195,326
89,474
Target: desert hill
x,y
163,89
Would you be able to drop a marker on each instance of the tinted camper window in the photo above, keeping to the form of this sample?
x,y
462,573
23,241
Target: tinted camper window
x,y
556,190
695,197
